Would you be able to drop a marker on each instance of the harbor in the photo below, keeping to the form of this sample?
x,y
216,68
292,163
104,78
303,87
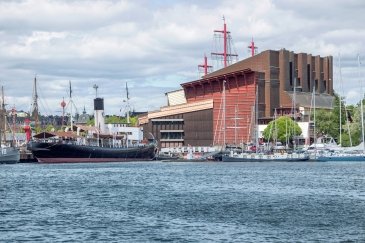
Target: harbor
x,y
133,202
182,121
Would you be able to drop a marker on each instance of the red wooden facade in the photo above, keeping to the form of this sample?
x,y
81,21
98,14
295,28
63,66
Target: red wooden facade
x,y
240,90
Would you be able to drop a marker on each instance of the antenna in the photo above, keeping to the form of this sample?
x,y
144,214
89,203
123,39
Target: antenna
x,y
96,90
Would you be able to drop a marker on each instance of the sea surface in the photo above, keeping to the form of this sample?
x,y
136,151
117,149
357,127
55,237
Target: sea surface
x,y
183,202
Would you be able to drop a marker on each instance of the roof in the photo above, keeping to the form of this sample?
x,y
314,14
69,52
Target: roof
x,y
305,99
221,73
177,109
55,134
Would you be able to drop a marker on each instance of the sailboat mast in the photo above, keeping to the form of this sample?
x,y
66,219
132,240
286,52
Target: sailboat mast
x,y
361,106
314,123
294,110
3,126
224,113
235,125
256,119
339,63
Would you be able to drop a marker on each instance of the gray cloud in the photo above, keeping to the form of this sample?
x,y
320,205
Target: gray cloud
x,y
156,45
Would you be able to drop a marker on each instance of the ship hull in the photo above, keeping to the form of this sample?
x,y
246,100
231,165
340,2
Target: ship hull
x,y
9,155
71,153
341,158
265,158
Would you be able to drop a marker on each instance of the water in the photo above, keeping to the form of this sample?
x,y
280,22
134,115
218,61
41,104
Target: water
x,y
183,202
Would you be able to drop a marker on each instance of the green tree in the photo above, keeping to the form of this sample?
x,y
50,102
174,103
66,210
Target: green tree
x,y
49,128
328,122
282,129
116,119
113,119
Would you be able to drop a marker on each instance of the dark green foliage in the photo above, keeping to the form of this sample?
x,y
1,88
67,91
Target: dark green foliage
x,y
282,129
328,122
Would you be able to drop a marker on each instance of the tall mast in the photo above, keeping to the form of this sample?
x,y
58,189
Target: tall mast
x,y
294,109
205,66
226,36
128,107
35,110
13,113
3,126
314,123
256,118
252,47
340,104
71,103
361,106
225,42
224,113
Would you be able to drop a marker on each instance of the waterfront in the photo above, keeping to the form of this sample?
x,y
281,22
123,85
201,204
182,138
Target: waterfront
x,y
185,202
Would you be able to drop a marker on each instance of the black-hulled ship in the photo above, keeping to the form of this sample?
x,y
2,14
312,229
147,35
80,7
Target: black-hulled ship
x,y
89,144
63,149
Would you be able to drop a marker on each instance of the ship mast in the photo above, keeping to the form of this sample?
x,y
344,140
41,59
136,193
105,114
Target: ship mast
x,y
71,103
3,111
205,66
126,101
227,56
35,114
252,47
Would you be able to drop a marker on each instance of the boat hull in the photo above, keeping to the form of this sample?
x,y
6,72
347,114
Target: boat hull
x,y
71,153
9,155
264,158
341,158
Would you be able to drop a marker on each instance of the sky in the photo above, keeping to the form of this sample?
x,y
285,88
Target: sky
x,y
154,46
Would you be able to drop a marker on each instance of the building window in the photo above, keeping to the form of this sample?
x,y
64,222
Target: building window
x,y
172,135
325,85
291,73
309,76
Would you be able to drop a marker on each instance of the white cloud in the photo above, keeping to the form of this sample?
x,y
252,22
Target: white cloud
x,y
156,45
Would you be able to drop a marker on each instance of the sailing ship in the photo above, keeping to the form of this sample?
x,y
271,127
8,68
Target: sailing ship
x,y
9,153
89,144
61,149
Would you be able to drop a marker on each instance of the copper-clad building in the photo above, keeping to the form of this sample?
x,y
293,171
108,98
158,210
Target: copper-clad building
x,y
280,80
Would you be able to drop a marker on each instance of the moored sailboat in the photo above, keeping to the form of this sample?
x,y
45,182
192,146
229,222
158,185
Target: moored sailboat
x,y
9,154
346,153
258,155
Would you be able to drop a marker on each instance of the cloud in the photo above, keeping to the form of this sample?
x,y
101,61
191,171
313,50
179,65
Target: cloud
x,y
156,45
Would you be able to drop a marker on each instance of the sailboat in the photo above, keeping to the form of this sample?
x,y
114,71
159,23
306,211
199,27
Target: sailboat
x,y
347,154
9,153
278,153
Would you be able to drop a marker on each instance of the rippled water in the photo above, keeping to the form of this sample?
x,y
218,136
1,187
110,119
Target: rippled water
x,y
183,202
